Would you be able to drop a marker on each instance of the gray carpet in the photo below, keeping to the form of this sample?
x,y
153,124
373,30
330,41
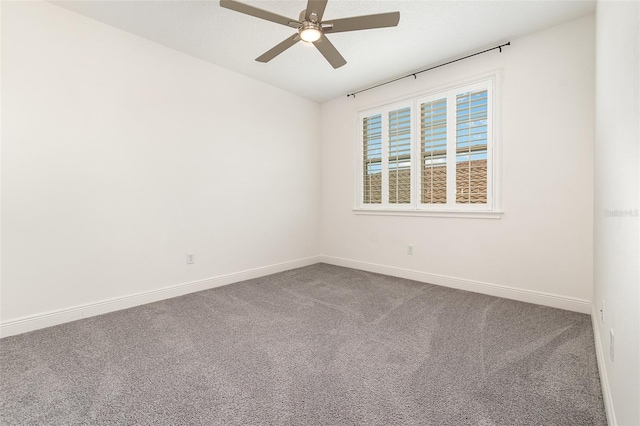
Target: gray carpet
x,y
320,345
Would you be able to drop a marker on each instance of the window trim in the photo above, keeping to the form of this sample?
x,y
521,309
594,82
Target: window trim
x,y
492,209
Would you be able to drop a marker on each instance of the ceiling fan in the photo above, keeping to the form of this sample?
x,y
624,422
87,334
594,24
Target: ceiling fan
x,y
312,29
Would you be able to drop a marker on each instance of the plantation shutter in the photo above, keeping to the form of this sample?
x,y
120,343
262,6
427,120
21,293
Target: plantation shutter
x,y
372,159
433,143
431,153
471,147
400,156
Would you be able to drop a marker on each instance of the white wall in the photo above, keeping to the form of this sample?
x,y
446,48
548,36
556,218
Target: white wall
x,y
119,156
617,188
543,244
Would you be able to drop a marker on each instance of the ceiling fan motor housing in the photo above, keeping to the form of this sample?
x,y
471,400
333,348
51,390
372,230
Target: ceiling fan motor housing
x,y
313,17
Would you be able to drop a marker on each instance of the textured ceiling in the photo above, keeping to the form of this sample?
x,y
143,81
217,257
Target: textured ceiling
x,y
428,32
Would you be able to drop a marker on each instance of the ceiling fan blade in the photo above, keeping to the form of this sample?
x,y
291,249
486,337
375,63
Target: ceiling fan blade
x,y
317,7
278,49
258,13
365,22
329,51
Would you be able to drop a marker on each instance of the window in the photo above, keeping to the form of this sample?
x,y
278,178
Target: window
x,y
372,159
432,153
400,156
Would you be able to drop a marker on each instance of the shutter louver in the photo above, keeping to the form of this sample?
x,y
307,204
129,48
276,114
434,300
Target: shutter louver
x,y
400,156
433,142
471,147
372,159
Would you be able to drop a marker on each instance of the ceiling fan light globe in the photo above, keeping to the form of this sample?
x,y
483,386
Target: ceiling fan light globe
x,y
310,34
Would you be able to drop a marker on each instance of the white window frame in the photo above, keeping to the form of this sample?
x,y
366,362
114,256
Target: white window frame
x,y
492,209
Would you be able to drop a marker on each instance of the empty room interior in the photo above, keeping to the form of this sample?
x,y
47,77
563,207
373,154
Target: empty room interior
x,y
338,212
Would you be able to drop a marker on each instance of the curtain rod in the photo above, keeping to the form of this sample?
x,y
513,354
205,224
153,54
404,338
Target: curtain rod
x,y
414,74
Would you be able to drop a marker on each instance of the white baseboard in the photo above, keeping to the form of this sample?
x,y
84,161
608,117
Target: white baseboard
x,y
602,369
530,296
48,319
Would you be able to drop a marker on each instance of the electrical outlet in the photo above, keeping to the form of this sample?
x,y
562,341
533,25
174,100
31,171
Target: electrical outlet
x,y
602,311
409,249
190,258
611,344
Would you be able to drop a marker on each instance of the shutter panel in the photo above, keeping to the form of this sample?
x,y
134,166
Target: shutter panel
x,y
433,143
471,147
372,159
400,156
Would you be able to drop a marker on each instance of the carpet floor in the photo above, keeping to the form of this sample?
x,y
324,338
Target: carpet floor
x,y
320,345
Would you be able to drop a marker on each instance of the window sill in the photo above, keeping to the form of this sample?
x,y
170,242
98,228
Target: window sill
x,y
431,213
